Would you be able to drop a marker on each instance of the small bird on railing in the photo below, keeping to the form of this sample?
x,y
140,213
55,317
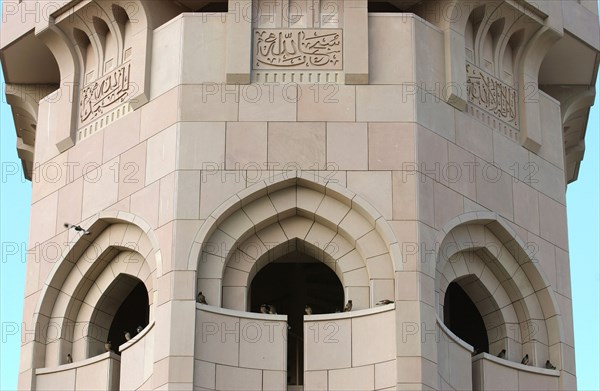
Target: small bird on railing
x,y
384,302
108,346
69,359
201,298
348,306
139,329
127,335
264,309
549,365
272,309
77,228
525,360
307,310
502,354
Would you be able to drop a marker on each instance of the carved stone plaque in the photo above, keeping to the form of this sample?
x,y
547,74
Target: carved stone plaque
x,y
104,94
298,49
492,95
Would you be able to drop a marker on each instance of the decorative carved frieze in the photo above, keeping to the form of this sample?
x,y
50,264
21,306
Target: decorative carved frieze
x,y
492,95
298,49
104,94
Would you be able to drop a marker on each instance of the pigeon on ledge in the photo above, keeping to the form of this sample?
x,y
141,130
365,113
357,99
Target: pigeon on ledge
x,y
77,228
348,306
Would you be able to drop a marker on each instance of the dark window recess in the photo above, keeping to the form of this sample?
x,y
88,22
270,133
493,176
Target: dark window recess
x,y
133,312
463,319
382,6
215,6
291,283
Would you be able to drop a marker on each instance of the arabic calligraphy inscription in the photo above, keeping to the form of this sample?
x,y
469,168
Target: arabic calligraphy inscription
x,y
298,49
492,95
102,94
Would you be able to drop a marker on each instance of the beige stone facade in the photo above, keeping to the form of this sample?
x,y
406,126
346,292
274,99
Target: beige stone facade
x,y
413,148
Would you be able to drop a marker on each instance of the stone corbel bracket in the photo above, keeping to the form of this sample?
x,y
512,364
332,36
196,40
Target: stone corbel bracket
x,y
24,100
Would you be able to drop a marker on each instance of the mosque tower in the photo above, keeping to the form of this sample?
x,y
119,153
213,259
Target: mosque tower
x,y
234,173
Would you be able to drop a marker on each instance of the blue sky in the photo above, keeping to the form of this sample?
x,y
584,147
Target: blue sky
x,y
584,235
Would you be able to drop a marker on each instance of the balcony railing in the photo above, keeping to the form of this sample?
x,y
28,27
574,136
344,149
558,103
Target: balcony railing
x,y
101,372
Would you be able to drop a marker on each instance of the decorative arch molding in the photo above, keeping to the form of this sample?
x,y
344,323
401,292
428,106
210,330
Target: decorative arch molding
x,y
304,235
102,302
292,212
482,245
478,281
88,265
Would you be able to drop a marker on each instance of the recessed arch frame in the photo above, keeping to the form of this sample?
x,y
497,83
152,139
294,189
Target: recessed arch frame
x,y
290,211
508,258
73,277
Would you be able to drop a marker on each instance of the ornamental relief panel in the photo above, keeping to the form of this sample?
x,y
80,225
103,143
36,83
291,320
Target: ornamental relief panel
x,y
105,100
492,101
100,96
298,49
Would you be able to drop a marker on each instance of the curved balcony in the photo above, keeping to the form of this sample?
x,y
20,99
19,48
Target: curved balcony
x,y
454,360
101,372
492,373
238,350
345,350
137,358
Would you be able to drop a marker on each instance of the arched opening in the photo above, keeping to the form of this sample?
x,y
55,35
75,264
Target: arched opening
x,y
463,319
289,284
124,307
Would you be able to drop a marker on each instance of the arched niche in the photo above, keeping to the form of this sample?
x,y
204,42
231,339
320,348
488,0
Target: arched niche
x,y
120,301
124,31
477,281
521,304
88,55
75,284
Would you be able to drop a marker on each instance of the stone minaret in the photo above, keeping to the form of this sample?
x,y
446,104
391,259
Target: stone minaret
x,y
280,155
